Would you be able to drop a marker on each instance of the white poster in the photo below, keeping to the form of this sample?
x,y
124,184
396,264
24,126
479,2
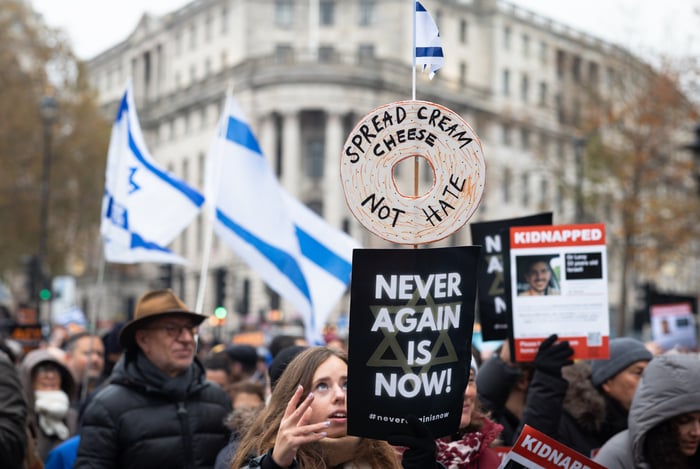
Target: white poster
x,y
559,285
673,325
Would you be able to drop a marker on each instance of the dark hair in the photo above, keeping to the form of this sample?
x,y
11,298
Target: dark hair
x,y
246,387
662,450
280,342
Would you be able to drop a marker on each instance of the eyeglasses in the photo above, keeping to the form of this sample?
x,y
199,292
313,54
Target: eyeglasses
x,y
174,331
45,369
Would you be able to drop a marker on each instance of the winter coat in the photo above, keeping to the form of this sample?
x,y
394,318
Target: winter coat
x,y
44,441
670,386
146,419
493,384
572,411
13,416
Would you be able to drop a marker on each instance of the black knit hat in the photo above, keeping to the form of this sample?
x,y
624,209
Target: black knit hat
x,y
280,362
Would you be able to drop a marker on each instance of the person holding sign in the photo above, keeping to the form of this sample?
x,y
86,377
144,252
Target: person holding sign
x,y
664,420
469,447
305,423
538,275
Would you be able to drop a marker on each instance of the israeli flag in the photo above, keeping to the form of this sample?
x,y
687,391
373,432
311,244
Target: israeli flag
x,y
428,47
300,256
144,207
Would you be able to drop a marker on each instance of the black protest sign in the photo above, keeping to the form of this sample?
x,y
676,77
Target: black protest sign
x,y
492,299
411,320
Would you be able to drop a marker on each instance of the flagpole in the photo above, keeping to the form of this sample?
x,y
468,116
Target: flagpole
x,y
413,89
94,314
210,211
413,97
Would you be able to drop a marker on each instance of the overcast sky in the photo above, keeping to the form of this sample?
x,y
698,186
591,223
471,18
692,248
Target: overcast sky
x,y
645,26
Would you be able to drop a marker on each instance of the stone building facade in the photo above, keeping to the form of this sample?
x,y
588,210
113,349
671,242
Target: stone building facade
x,y
305,71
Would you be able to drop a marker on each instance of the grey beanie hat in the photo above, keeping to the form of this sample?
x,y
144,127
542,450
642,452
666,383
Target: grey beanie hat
x,y
623,352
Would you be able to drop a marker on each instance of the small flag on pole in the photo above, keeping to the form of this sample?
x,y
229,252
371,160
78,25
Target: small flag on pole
x,y
144,208
300,256
428,47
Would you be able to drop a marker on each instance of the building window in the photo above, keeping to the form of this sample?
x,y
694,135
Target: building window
x,y
506,82
525,88
576,69
593,75
544,192
178,44
543,94
365,53
462,73
207,67
193,37
526,45
561,62
224,21
207,29
327,12
525,138
506,37
284,54
367,12
544,52
284,13
463,32
506,135
525,183
326,54
314,168
507,183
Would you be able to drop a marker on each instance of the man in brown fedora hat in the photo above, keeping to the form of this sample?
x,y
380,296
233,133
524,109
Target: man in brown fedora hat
x,y
158,410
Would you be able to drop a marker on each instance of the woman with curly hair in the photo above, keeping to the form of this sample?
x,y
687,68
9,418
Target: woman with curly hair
x,y
305,423
664,419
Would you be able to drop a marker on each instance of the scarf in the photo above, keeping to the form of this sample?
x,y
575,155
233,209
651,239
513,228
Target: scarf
x,y
465,451
52,407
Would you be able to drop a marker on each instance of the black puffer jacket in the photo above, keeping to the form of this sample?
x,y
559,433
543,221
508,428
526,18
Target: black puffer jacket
x,y
143,419
572,410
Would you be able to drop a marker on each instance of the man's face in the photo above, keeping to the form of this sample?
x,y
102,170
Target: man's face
x,y
168,343
621,387
87,357
538,277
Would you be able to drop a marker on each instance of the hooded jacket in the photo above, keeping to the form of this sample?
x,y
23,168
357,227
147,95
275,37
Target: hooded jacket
x,y
45,442
670,386
145,419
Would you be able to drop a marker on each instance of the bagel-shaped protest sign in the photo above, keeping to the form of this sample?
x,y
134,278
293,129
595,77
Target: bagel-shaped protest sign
x,y
405,129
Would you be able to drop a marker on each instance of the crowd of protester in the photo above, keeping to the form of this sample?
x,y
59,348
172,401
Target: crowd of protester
x,y
144,395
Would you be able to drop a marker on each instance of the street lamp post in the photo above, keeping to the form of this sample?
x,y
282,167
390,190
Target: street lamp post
x,y
48,110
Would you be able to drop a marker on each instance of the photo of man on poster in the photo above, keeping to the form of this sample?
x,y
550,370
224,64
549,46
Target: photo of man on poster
x,y
538,275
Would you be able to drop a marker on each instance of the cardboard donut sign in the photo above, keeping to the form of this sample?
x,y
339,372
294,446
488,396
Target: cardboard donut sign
x,y
389,135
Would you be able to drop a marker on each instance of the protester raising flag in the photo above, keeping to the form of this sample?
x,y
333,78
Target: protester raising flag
x,y
300,256
143,208
428,49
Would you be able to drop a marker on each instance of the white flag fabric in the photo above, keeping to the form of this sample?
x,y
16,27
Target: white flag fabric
x,y
428,46
144,207
300,256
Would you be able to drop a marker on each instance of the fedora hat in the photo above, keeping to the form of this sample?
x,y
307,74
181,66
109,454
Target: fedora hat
x,y
151,305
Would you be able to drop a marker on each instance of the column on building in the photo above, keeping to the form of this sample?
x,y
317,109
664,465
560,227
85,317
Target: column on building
x,y
291,164
334,200
268,139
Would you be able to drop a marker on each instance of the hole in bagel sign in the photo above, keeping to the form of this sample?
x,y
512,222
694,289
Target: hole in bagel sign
x,y
392,133
411,321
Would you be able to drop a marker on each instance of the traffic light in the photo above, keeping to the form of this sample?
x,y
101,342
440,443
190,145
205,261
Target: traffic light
x,y
220,277
165,275
46,291
32,276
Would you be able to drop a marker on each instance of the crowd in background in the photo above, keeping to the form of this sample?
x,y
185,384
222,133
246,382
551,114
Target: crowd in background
x,y
146,394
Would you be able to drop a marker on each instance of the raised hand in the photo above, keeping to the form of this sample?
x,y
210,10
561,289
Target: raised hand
x,y
295,430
